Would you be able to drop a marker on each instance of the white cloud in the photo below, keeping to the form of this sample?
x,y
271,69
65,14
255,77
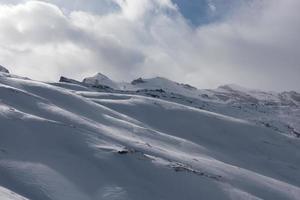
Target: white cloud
x,y
255,46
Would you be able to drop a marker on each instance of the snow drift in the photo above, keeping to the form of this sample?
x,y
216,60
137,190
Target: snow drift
x,y
68,141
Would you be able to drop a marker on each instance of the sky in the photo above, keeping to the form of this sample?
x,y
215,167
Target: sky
x,y
205,43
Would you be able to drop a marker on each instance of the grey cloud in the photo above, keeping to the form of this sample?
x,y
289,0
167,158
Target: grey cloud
x,y
260,50
47,38
256,46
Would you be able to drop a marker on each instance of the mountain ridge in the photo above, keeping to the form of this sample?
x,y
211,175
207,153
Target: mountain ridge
x,y
278,111
75,141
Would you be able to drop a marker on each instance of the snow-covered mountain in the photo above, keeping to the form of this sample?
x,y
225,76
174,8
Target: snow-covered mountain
x,y
78,140
101,80
277,111
163,83
3,69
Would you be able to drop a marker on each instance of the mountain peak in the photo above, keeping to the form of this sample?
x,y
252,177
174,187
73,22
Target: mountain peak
x,y
100,75
101,79
138,81
3,69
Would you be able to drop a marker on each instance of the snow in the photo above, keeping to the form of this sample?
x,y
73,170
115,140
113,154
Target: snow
x,y
165,84
277,111
63,141
6,194
100,79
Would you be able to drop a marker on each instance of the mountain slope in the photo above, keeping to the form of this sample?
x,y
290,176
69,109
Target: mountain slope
x,y
277,111
65,143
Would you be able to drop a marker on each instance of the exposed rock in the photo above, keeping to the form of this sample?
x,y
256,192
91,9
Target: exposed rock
x,y
3,69
68,80
138,81
101,80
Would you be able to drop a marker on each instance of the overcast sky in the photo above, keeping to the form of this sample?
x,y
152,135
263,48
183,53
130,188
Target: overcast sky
x,y
206,43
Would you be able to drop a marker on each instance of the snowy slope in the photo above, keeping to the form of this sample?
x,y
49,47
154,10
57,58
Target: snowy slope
x,y
277,111
6,194
164,84
67,141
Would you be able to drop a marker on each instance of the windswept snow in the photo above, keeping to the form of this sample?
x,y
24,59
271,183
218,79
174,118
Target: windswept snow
x,y
6,194
68,141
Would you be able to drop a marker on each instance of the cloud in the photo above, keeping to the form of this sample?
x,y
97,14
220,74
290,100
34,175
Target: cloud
x,y
134,9
42,42
256,45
